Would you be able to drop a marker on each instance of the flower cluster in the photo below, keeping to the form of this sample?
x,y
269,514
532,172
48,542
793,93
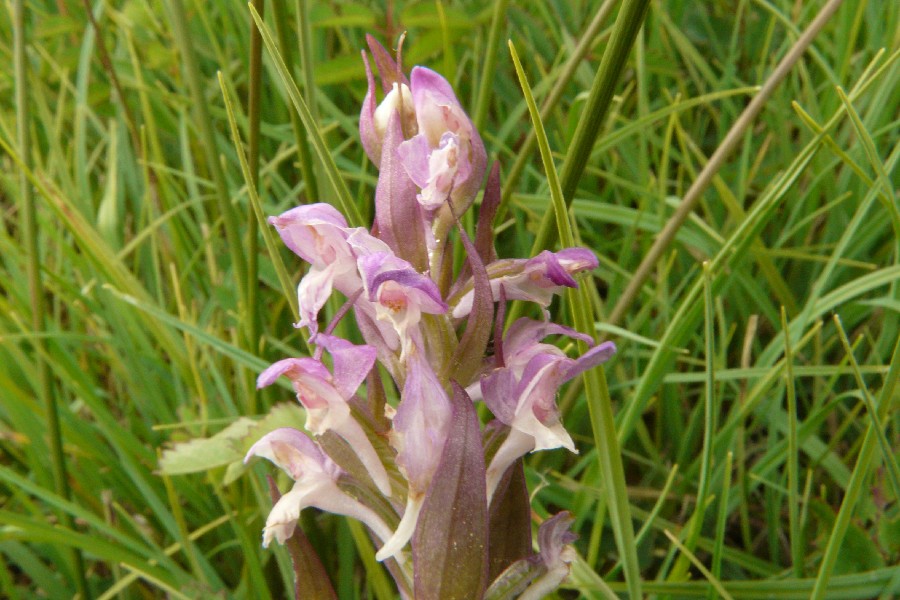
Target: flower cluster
x,y
404,468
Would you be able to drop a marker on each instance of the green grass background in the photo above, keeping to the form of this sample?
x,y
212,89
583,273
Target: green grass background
x,y
753,400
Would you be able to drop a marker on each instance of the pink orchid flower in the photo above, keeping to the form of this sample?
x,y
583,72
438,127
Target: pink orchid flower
x,y
315,485
400,295
522,392
535,279
325,396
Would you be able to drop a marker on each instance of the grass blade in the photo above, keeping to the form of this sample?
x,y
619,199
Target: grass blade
x,y
628,23
43,386
597,392
344,199
857,484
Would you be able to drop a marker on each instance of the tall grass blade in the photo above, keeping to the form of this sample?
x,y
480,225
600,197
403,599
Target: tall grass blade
x,y
597,393
344,199
857,485
628,23
44,387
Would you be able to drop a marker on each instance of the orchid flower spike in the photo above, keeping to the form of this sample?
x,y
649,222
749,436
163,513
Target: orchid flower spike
x,y
315,485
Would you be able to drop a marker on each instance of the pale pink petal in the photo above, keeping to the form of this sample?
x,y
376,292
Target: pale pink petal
x,y
351,363
291,368
535,279
421,424
293,452
312,294
405,529
315,232
413,155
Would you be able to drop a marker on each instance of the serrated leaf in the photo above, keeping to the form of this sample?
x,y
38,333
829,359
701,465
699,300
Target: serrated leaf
x,y
204,454
229,445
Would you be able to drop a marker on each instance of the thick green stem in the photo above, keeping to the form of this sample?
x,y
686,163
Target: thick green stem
x,y
628,23
254,95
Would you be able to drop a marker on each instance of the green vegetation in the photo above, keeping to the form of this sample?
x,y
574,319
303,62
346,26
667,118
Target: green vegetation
x,y
744,441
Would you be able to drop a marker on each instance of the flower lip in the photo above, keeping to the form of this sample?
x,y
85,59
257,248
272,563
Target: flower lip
x,y
291,368
293,451
409,282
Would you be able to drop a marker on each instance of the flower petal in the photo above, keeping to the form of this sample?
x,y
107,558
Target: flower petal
x,y
521,340
296,454
312,294
397,213
315,232
535,279
291,368
591,358
351,363
421,423
498,389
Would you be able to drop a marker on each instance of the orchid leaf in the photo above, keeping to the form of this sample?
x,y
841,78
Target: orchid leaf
x,y
484,230
397,212
310,578
509,521
468,357
450,543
